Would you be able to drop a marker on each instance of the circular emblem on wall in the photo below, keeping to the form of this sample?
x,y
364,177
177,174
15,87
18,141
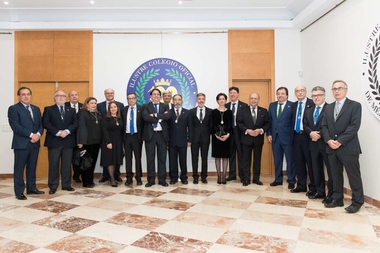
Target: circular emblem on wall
x,y
166,75
370,81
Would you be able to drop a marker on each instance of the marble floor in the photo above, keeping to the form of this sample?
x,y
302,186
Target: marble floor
x,y
182,218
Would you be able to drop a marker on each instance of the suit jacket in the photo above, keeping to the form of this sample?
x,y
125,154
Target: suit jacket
x,y
283,126
201,132
245,121
308,126
180,132
23,125
79,105
102,107
52,122
344,129
163,115
309,105
240,105
138,118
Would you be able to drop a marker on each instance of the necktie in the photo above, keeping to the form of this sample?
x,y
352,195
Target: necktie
x,y
200,115
177,114
156,110
62,113
233,113
279,111
75,107
336,110
299,116
132,122
30,111
254,116
316,115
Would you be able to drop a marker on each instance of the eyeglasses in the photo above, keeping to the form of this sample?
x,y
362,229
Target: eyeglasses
x,y
317,95
301,90
109,93
338,89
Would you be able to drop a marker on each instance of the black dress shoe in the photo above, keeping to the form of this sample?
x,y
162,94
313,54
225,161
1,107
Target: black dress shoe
x,y
334,203
274,183
70,189
52,191
328,199
103,179
77,180
88,185
352,208
291,186
184,182
317,196
35,192
118,179
128,182
21,197
139,182
164,184
204,180
297,190
258,182
245,183
173,181
195,181
149,184
230,178
310,193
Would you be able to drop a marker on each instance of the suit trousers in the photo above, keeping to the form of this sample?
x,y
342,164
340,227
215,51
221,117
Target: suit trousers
x,y
279,150
247,160
133,146
204,147
317,158
235,148
178,154
56,155
150,146
352,166
302,161
88,175
25,157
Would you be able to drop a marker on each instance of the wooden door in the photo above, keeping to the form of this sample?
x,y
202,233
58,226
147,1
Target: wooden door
x,y
262,87
42,96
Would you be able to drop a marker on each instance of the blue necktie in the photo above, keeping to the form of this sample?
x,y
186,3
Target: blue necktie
x,y
299,115
156,110
30,111
316,115
62,113
131,122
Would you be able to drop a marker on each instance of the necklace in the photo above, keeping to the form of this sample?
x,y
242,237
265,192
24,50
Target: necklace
x,y
95,115
117,122
221,115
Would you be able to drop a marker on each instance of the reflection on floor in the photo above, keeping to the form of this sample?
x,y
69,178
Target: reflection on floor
x,y
182,218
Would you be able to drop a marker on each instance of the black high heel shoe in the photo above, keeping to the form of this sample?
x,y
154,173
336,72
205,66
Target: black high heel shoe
x,y
113,183
219,180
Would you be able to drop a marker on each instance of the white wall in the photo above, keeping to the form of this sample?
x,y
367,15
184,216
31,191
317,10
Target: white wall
x,y
333,48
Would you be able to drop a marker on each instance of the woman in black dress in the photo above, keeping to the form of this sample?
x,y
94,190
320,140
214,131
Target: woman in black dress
x,y
89,136
112,144
221,130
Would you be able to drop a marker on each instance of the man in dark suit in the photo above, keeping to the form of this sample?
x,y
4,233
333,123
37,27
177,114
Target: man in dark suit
x,y
280,135
103,109
156,134
167,97
201,137
235,105
253,121
133,122
181,136
74,103
312,124
340,128
60,123
26,123
302,160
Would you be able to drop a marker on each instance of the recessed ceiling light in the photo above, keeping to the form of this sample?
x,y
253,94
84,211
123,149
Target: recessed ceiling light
x,y
6,3
92,2
179,2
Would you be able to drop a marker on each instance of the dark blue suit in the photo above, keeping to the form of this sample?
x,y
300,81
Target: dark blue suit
x,y
102,108
25,152
281,131
59,149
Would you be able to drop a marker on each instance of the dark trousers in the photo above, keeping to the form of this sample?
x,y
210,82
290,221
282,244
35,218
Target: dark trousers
x,y
88,175
247,160
76,169
178,154
204,147
319,156
279,150
56,155
150,148
235,148
352,166
133,145
302,161
25,158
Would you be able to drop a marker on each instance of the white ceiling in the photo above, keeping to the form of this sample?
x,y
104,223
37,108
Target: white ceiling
x,y
160,14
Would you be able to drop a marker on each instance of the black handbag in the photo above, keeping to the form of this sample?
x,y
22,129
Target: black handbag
x,y
82,159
